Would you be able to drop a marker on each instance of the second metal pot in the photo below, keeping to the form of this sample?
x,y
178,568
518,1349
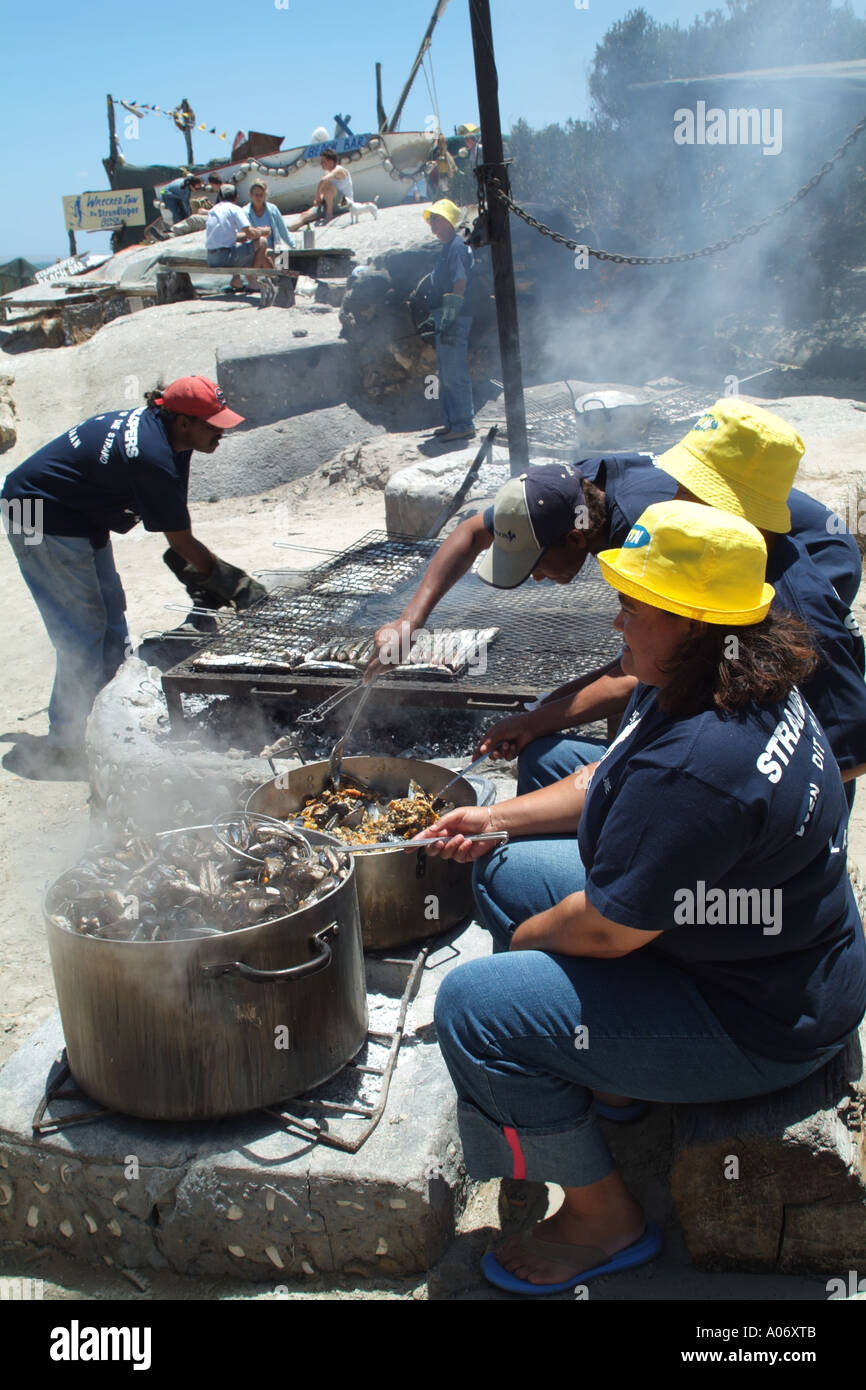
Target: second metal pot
x,y
402,897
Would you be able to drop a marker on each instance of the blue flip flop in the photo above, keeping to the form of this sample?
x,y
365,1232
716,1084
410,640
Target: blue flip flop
x,y
640,1252
621,1114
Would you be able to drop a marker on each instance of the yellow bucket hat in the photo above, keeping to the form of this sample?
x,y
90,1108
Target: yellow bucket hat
x,y
444,208
741,458
695,561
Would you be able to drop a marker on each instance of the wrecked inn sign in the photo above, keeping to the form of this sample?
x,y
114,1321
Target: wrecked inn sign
x,y
93,212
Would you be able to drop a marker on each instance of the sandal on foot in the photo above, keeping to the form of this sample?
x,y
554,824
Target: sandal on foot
x,y
621,1114
587,1261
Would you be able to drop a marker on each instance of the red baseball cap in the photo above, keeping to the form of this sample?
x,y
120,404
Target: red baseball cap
x,y
196,395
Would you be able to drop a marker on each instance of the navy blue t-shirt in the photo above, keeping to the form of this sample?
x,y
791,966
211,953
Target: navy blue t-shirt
x,y
727,834
630,483
828,541
455,262
105,475
836,691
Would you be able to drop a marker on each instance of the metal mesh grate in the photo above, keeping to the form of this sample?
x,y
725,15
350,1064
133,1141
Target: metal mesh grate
x,y
548,632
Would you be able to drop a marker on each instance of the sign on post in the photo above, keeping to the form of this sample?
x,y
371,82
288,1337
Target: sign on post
x,y
95,212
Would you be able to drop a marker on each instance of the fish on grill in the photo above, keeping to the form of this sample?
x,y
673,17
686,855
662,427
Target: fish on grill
x,y
247,661
446,652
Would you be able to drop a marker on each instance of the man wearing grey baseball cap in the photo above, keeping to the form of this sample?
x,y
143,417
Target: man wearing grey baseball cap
x,y
542,524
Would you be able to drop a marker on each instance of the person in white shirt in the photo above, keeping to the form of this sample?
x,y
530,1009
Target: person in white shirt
x,y
231,240
335,185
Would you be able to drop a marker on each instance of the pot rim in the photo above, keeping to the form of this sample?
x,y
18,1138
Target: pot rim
x,y
197,943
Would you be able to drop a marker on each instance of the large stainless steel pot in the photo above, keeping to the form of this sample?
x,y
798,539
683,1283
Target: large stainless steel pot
x,y
182,1030
402,897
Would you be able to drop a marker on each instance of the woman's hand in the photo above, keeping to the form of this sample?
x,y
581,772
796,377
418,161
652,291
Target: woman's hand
x,y
454,827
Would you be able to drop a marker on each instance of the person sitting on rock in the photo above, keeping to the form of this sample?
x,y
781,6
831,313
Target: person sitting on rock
x,y
231,240
335,186
698,942
264,214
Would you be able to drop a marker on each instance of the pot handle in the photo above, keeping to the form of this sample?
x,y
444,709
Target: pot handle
x,y
320,961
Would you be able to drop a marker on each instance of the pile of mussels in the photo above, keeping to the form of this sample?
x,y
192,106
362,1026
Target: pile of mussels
x,y
184,885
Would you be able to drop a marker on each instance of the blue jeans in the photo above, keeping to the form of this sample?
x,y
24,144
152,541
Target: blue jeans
x,y
455,386
548,759
242,254
81,601
179,211
527,1035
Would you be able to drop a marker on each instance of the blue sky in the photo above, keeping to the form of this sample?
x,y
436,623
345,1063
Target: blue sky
x,y
285,70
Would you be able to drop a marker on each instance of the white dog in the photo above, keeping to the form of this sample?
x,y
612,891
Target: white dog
x,y
355,209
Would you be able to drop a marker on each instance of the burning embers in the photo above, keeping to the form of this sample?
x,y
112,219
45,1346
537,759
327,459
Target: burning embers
x,y
189,884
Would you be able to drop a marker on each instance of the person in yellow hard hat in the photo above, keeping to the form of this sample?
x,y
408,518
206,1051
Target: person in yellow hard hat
x,y
450,302
698,942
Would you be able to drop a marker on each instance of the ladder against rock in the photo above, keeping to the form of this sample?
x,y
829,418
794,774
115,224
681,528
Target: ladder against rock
x,y
778,1183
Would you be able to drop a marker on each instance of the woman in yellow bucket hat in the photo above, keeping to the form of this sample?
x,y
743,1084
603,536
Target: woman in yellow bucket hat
x,y
699,942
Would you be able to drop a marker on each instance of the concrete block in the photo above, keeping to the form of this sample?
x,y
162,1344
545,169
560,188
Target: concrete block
x,y
304,374
243,1196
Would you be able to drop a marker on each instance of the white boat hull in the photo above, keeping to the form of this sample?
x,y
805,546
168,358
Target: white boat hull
x,y
293,176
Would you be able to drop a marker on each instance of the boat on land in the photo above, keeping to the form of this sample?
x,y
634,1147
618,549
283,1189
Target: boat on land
x,y
383,163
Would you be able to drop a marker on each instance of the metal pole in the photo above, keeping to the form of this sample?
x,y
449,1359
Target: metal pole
x,y
487,81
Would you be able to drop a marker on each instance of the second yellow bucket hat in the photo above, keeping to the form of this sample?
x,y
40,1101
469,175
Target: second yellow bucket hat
x,y
695,561
741,458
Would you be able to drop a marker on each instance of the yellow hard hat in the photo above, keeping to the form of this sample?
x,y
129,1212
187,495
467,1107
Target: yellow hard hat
x,y
695,561
444,208
741,458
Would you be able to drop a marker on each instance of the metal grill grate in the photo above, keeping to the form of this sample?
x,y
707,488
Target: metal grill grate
x,y
548,632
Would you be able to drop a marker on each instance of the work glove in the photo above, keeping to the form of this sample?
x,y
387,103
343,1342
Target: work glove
x,y
226,584
451,306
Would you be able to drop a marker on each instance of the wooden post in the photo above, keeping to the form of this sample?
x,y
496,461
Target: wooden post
x,y
500,235
187,133
381,113
73,249
113,148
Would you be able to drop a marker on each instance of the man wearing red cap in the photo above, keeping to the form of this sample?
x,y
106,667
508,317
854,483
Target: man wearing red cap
x,y
105,475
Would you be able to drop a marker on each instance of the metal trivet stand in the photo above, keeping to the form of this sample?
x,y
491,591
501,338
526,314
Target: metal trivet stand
x,y
315,1129
62,1086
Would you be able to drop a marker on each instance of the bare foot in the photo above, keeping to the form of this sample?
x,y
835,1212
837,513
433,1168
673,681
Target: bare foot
x,y
608,1234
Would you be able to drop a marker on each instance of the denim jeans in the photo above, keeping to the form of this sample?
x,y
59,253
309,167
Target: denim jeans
x,y
176,206
548,759
80,597
527,1035
455,386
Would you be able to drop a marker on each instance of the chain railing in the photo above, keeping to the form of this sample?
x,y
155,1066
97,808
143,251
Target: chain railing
x,y
488,182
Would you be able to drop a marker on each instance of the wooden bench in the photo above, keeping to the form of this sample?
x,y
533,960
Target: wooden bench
x,y
174,273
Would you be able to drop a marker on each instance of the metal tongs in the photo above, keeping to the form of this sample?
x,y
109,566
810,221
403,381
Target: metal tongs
x,y
335,761
494,836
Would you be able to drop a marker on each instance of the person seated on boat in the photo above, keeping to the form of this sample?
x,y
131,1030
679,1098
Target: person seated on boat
x,y
335,185
698,942
231,240
176,196
264,214
214,184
